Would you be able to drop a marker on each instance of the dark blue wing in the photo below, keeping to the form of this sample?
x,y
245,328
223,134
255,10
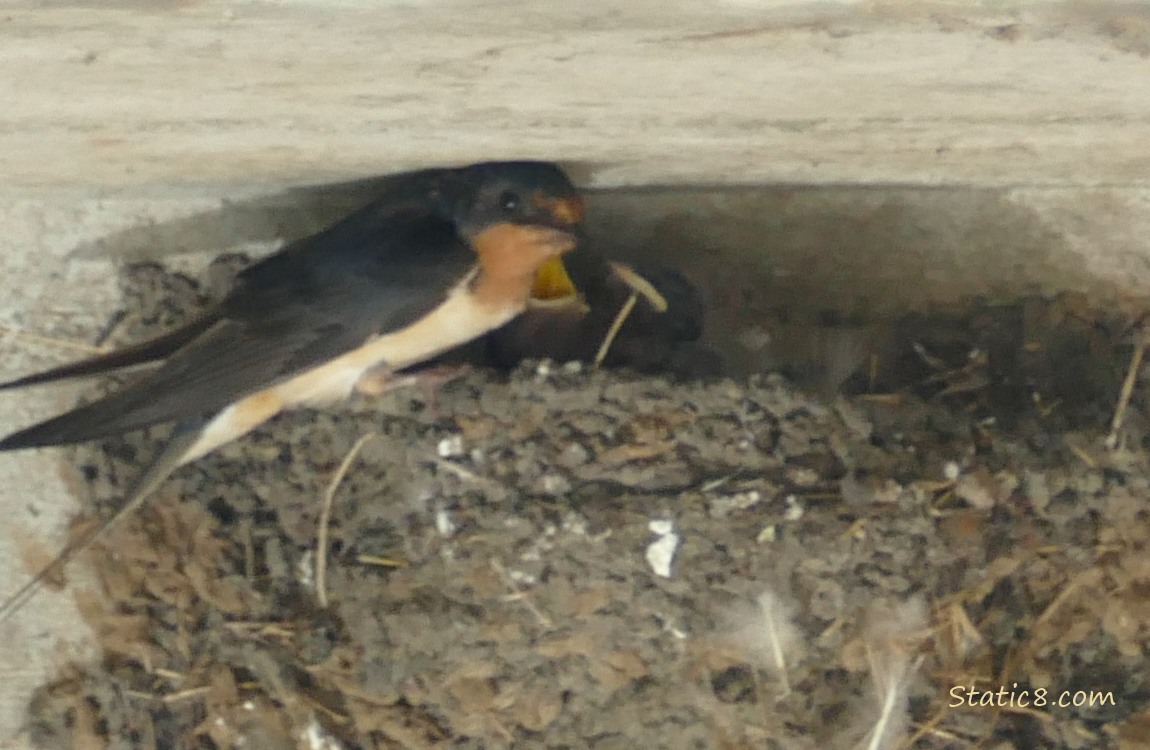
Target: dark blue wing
x,y
380,269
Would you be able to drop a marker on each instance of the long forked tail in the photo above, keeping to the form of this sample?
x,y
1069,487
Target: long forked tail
x,y
142,353
171,457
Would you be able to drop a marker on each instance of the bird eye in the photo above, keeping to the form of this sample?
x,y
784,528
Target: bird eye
x,y
508,201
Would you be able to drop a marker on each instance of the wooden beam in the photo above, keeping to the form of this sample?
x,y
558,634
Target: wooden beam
x,y
136,95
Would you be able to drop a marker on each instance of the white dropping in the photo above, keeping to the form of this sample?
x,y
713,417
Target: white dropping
x,y
316,737
450,447
661,552
795,509
443,523
521,577
305,569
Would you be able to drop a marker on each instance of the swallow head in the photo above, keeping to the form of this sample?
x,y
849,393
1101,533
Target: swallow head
x,y
520,217
526,193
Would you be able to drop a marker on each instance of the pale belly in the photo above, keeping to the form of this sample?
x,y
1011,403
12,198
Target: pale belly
x,y
458,320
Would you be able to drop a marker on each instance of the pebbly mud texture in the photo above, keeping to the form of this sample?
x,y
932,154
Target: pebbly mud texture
x,y
563,558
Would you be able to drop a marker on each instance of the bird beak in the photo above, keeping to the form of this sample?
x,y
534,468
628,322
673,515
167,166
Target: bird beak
x,y
552,283
564,212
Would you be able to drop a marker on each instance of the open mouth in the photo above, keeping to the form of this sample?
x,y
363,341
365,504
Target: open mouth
x,y
552,284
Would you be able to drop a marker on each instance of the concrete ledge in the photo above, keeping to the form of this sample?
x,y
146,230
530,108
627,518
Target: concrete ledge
x,y
924,93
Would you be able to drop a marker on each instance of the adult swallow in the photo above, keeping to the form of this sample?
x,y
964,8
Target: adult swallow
x,y
446,257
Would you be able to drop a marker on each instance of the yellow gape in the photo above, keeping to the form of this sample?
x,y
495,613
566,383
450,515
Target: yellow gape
x,y
553,285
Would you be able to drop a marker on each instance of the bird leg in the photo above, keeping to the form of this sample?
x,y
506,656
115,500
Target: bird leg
x,y
381,379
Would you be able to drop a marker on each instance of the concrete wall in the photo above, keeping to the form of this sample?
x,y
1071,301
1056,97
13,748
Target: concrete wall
x,y
871,155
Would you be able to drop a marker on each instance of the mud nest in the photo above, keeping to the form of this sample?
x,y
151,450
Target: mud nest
x,y
566,558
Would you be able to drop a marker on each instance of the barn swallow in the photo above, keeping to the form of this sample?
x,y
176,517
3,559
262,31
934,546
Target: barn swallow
x,y
455,254
607,313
